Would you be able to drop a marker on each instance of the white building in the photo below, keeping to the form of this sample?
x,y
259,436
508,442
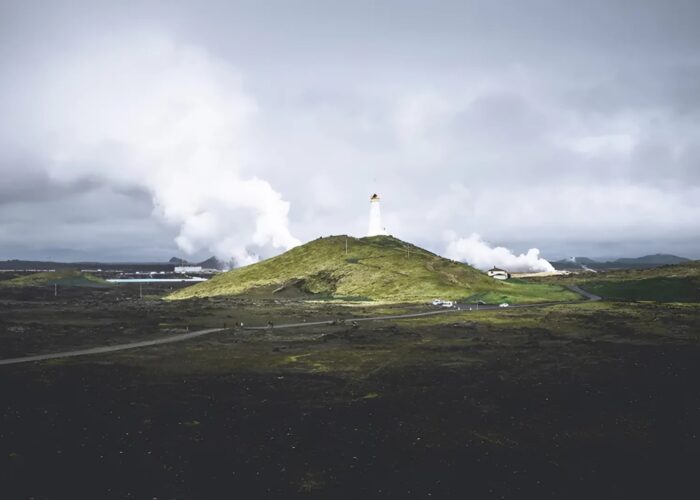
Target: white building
x,y
375,218
498,274
188,269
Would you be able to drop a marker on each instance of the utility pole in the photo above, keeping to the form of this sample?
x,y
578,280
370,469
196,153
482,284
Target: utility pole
x,y
55,289
140,291
346,246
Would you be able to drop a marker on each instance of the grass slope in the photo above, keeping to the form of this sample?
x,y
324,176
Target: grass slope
x,y
378,268
672,283
651,289
64,277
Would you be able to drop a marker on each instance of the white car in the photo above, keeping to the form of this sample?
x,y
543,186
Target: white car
x,y
437,302
505,304
448,303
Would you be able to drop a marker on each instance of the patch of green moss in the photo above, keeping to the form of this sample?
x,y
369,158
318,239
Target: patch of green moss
x,y
658,289
67,277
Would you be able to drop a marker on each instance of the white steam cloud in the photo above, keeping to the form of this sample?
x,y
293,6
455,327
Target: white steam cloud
x,y
477,253
175,122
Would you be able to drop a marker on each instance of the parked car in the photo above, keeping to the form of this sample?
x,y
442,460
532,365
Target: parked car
x,y
448,303
505,304
437,302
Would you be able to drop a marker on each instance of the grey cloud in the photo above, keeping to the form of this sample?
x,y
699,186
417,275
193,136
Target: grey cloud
x,y
498,118
551,124
665,85
87,225
26,182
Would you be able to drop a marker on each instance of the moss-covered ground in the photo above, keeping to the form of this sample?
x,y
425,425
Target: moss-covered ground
x,y
650,289
61,277
675,283
580,401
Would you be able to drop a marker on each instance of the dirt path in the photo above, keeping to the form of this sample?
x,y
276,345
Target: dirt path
x,y
110,348
186,336
590,296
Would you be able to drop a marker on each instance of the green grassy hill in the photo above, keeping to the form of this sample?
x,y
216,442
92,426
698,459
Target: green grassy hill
x,y
63,277
378,268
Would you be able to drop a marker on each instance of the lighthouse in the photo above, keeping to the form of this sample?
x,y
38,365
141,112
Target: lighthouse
x,y
375,217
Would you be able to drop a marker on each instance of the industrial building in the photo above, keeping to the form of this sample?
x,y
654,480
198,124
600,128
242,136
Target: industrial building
x,y
188,269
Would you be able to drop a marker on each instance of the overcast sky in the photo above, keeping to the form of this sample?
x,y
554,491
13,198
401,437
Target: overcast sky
x,y
142,130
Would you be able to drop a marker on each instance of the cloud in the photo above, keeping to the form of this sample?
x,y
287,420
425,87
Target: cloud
x,y
605,144
248,127
168,119
477,253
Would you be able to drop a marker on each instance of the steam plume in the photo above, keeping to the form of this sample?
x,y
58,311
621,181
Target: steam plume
x,y
174,122
476,252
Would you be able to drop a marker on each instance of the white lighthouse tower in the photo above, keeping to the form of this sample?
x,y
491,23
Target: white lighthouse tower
x,y
375,217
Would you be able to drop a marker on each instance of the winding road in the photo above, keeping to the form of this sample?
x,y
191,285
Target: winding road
x,y
110,348
199,333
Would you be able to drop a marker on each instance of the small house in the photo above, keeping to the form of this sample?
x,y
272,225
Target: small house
x,y
498,274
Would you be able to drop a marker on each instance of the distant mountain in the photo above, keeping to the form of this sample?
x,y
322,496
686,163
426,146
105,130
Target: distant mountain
x,y
660,259
574,263
210,263
584,260
35,265
648,261
214,263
